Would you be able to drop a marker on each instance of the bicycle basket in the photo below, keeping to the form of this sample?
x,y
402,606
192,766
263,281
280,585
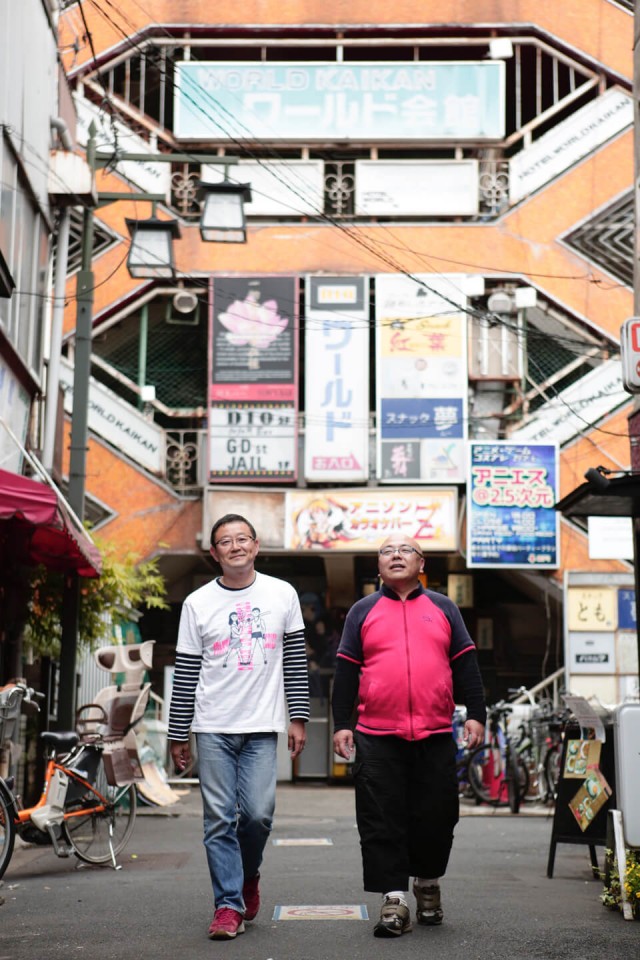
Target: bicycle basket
x,y
10,703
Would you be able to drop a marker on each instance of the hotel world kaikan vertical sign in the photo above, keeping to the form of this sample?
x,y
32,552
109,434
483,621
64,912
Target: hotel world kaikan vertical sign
x,y
253,410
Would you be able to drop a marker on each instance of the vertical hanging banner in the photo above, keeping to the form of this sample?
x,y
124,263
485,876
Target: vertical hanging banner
x,y
337,379
512,490
253,405
422,379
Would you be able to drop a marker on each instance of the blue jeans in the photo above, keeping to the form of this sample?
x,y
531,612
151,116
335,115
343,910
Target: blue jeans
x,y
238,784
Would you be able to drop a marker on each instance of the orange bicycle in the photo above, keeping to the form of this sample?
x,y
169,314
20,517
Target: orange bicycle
x,y
80,811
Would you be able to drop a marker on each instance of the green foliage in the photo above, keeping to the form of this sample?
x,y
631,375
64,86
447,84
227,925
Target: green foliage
x,y
612,896
124,586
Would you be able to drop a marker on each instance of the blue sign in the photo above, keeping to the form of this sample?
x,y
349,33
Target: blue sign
x,y
424,417
511,496
339,101
627,610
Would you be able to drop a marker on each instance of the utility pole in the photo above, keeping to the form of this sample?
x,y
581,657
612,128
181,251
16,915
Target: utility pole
x,y
634,418
78,458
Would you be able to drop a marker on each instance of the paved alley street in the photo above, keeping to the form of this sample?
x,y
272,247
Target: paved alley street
x,y
498,901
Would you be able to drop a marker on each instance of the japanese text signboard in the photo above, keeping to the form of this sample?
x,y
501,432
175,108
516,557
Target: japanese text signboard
x,y
600,635
254,339
511,517
253,422
251,442
343,101
337,379
422,381
359,520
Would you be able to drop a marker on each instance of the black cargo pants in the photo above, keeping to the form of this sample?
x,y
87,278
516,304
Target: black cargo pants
x,y
406,807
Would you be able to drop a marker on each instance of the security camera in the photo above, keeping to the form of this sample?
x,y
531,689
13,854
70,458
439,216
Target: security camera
x,y
184,301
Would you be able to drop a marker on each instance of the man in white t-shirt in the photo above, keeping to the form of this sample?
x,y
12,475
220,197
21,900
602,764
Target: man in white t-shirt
x,y
240,664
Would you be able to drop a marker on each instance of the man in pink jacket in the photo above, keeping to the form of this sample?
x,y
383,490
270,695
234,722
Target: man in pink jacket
x,y
403,652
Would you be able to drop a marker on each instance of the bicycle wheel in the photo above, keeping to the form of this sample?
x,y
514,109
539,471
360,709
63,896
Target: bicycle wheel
x,y
513,771
485,774
93,833
465,790
552,763
7,828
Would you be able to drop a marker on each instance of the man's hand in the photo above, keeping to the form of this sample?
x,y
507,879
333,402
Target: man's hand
x,y
180,754
473,734
297,737
343,743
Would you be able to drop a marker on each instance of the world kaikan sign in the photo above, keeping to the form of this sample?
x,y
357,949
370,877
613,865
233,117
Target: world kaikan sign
x,y
353,101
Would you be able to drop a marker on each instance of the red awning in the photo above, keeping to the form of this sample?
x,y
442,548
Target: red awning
x,y
36,526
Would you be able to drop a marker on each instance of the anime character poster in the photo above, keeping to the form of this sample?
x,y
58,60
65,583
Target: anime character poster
x,y
359,520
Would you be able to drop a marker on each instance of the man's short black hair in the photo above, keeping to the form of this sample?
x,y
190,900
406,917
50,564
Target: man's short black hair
x,y
230,518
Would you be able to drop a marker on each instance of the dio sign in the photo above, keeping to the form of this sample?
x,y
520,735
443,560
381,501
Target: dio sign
x,y
630,351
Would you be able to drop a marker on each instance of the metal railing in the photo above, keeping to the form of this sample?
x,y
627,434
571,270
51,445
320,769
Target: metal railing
x,y
550,687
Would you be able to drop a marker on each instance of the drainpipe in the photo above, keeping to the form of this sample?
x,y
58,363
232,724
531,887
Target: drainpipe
x,y
55,346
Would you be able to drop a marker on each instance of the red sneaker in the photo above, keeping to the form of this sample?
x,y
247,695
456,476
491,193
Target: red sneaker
x,y
251,897
226,924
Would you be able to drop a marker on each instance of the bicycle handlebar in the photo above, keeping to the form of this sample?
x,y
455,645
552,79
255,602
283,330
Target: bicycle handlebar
x,y
12,693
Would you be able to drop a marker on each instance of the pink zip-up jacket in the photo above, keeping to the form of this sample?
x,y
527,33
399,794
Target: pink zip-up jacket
x,y
405,649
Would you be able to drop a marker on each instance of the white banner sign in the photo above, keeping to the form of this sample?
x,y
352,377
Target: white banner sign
x,y
409,188
421,356
578,407
249,442
460,100
610,538
118,422
15,404
592,652
145,175
286,188
337,379
569,142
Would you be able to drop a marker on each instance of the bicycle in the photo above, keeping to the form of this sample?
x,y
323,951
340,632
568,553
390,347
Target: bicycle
x,y
465,791
539,744
496,773
80,811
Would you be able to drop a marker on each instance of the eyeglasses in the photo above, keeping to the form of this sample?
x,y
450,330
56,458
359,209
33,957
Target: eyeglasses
x,y
226,542
405,550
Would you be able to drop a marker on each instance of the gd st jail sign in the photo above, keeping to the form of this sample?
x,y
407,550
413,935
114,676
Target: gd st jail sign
x,y
630,354
249,442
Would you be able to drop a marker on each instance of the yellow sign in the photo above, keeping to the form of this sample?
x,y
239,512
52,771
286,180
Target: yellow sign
x,y
359,520
429,336
592,608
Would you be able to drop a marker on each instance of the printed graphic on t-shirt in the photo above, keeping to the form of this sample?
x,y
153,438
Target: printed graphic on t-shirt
x,y
248,639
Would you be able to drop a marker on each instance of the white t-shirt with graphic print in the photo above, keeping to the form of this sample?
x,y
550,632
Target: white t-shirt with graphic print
x,y
239,635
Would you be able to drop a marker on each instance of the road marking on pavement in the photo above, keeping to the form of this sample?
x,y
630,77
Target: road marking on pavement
x,y
357,911
303,842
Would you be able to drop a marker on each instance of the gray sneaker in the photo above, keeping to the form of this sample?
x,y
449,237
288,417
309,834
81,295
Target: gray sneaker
x,y
394,919
429,910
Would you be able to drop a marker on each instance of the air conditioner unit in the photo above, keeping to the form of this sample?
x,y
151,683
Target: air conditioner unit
x,y
183,309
